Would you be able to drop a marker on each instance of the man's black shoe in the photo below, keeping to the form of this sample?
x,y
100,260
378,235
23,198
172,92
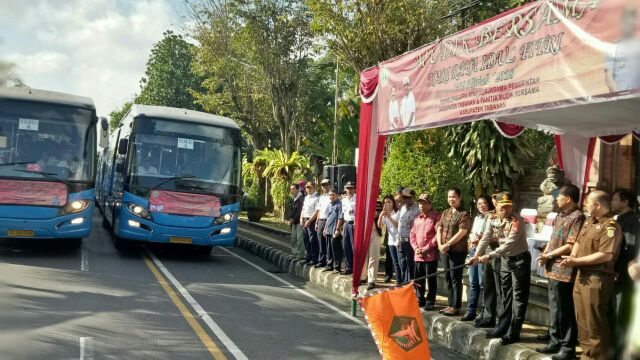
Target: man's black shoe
x,y
544,337
484,324
387,279
564,355
492,334
328,269
549,349
318,266
468,317
337,271
430,307
371,286
508,340
347,272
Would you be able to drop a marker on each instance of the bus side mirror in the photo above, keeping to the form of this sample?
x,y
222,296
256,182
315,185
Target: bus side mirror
x,y
103,141
123,145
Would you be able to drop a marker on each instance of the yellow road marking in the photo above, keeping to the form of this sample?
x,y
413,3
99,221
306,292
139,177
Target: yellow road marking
x,y
195,325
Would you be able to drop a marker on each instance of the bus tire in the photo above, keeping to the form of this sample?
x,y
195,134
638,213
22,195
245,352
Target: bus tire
x,y
120,244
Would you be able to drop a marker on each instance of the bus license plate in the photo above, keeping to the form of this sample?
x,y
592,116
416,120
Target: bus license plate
x,y
20,233
180,240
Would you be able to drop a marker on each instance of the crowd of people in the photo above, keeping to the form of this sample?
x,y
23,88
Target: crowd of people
x,y
591,260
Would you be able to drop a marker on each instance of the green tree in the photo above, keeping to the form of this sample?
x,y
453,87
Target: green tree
x,y
488,159
279,43
365,32
232,87
116,116
280,169
169,78
417,160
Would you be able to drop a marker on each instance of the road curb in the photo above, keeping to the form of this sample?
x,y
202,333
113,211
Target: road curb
x,y
460,337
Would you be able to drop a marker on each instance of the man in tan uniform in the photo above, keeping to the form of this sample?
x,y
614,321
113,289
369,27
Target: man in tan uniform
x,y
594,255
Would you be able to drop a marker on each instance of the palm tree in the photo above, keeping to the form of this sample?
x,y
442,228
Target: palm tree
x,y
279,170
8,76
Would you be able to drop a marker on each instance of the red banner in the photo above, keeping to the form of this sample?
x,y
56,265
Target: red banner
x,y
178,203
547,54
43,193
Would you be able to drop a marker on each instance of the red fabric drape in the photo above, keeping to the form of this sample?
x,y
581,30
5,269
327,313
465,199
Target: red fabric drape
x,y
612,139
557,140
371,150
587,170
509,130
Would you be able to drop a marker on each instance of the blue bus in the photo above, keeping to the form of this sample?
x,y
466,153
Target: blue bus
x,y
47,164
172,176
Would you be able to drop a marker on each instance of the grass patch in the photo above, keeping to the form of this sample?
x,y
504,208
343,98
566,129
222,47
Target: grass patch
x,y
269,220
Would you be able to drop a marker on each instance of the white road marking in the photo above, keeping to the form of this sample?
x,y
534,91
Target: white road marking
x,y
303,292
86,348
217,330
84,261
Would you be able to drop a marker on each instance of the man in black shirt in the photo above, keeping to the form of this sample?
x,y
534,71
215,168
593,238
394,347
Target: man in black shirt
x,y
623,204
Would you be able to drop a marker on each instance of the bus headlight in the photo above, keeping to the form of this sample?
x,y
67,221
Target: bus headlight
x,y
138,210
75,206
228,217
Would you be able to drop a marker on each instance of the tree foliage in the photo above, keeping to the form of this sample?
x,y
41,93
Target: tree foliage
x,y
8,75
487,158
116,116
169,78
232,87
365,32
418,160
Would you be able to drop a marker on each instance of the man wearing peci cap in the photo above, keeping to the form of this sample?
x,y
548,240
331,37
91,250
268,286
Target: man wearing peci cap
x,y
325,253
408,214
425,246
515,271
349,217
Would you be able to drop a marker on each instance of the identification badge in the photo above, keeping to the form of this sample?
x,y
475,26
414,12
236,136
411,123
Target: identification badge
x,y
29,124
611,231
185,143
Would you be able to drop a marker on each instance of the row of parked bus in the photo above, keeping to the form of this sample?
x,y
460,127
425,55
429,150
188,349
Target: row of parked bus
x,y
163,175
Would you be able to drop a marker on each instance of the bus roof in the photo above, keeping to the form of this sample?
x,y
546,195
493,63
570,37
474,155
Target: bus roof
x,y
28,94
181,114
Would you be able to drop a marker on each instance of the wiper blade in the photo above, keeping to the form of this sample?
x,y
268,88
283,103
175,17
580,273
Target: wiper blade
x,y
18,163
196,187
172,179
48,175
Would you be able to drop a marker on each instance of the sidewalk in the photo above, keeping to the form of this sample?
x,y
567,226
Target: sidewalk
x,y
456,335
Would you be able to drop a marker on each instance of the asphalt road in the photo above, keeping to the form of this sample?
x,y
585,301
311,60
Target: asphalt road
x,y
58,301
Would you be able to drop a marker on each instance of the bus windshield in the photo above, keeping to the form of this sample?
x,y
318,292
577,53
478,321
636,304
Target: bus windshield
x,y
184,156
46,141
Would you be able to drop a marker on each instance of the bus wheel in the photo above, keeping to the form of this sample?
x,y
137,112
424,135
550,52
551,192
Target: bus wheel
x,y
120,244
203,250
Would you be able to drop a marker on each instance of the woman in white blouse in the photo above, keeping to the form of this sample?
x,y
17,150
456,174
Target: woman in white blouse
x,y
484,205
389,219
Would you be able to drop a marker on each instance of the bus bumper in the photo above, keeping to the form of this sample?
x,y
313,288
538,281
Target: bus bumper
x,y
72,226
134,228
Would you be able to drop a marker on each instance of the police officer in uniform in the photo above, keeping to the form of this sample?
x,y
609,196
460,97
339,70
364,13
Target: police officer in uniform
x,y
515,272
598,246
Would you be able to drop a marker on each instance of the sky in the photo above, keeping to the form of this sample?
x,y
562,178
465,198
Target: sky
x,y
95,48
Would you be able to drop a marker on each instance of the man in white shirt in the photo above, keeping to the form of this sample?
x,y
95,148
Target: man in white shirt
x,y
408,105
308,223
349,216
324,202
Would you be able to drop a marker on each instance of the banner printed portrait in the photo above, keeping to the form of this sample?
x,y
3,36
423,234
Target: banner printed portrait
x,y
544,55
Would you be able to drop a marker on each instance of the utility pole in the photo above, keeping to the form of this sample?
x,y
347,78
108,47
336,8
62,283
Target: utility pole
x,y
334,153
